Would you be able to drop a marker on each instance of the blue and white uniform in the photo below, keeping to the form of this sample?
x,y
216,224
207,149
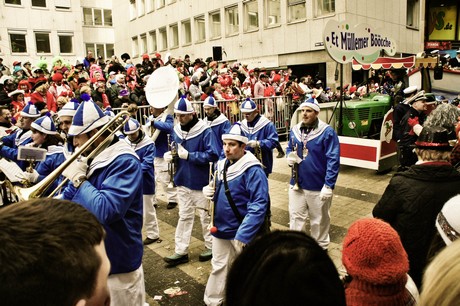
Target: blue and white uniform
x,y
219,126
54,158
319,150
145,150
191,176
11,143
113,193
262,130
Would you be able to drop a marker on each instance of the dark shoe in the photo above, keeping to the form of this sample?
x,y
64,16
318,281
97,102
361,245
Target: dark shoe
x,y
171,205
148,240
280,154
206,255
175,259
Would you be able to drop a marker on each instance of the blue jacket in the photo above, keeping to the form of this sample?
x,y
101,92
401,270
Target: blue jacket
x,y
145,149
322,163
113,193
166,127
200,142
262,130
54,158
11,144
248,186
219,126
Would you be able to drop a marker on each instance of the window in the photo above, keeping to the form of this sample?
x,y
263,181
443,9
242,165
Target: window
x,y
149,6
135,46
42,40
104,50
143,44
153,41
413,13
325,7
65,43
97,17
140,7
273,13
187,32
163,38
251,16
18,43
214,25
62,4
296,10
15,2
39,3
174,34
232,22
132,10
160,3
200,29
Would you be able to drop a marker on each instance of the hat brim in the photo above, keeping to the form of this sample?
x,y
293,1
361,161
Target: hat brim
x,y
66,112
133,131
75,130
245,110
239,138
43,130
23,114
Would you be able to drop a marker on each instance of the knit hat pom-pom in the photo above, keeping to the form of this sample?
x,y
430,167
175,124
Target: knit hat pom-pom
x,y
85,97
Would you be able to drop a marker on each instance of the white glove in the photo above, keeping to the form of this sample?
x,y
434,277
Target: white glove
x,y
208,192
239,246
76,170
182,152
253,143
293,158
326,193
168,157
31,177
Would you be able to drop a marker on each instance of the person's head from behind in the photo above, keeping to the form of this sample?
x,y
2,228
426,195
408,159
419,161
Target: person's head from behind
x,y
440,285
52,253
284,268
433,145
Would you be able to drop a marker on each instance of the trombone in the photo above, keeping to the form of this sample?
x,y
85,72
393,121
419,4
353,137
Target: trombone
x,y
172,165
212,180
38,190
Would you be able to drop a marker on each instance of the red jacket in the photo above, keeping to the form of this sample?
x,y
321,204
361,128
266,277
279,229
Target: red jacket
x,y
50,101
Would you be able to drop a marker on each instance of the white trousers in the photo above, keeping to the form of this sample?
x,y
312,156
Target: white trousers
x,y
189,201
223,254
162,179
150,217
127,289
303,203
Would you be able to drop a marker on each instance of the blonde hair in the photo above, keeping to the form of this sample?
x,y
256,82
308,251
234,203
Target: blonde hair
x,y
86,89
440,281
432,155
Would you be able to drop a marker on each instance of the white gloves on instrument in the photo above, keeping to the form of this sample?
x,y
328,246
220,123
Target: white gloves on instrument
x,y
182,152
293,158
253,143
208,191
168,157
31,177
326,193
76,170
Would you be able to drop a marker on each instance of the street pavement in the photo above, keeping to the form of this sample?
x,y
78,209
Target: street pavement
x,y
356,192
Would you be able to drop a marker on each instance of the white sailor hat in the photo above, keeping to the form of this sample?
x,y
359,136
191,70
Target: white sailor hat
x,y
69,109
210,101
448,220
109,112
131,126
248,106
312,103
45,125
183,106
15,92
30,111
87,117
235,133
410,90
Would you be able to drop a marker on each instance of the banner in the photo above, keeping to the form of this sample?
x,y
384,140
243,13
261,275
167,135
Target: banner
x,y
442,22
361,42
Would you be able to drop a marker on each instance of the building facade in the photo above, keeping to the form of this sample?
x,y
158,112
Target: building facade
x,y
260,33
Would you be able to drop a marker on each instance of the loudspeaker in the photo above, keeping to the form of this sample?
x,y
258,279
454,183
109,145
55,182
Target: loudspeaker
x,y
217,53
438,71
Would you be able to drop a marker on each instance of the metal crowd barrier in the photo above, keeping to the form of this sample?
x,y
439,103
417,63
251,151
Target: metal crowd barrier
x,y
278,109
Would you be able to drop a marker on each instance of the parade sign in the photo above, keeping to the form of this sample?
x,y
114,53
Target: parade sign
x,y
345,42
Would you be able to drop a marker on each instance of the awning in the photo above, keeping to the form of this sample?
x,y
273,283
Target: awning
x,y
387,63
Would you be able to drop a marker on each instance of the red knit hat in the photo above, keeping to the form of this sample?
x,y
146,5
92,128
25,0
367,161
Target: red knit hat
x,y
372,251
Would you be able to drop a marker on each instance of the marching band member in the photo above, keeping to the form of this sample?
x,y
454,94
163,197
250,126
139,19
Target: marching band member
x,y
248,188
145,149
218,122
163,122
22,136
318,157
65,115
110,186
196,149
45,135
261,133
